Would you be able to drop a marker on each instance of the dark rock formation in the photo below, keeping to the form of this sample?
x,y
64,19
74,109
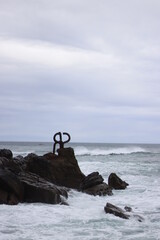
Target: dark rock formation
x,y
101,189
18,184
91,180
6,153
115,182
62,170
112,209
36,189
119,212
11,188
93,184
45,178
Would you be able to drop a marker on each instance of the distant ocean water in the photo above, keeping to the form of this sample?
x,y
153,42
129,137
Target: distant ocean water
x,y
84,218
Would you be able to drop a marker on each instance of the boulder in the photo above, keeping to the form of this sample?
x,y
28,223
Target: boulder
x,y
112,209
93,184
115,182
6,153
91,180
119,212
101,189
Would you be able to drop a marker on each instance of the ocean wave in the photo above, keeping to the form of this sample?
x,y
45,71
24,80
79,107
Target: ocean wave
x,y
84,151
22,153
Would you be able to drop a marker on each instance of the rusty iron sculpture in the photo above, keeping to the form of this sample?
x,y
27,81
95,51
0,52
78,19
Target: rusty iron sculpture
x,y
60,142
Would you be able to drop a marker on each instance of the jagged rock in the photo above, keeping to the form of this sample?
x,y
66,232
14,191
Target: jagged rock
x,y
93,184
6,153
91,180
115,182
62,170
112,209
101,189
119,212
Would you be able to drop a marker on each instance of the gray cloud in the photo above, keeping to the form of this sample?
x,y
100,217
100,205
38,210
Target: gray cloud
x,y
88,68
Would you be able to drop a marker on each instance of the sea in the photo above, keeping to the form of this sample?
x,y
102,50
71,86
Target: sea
x,y
85,218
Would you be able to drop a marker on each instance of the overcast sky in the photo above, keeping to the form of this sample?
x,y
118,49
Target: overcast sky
x,y
90,68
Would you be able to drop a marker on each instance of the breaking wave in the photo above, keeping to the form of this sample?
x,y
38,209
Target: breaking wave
x,y
22,153
84,151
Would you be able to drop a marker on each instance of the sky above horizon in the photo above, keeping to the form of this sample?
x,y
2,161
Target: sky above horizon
x,y
90,68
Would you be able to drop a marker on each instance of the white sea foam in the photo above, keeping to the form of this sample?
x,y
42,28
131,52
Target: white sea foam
x,y
82,151
22,153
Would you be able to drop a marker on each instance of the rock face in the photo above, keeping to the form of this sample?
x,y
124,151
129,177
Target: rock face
x,y
115,182
36,189
11,188
62,170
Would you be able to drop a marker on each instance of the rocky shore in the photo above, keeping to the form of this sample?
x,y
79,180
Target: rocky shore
x,y
48,178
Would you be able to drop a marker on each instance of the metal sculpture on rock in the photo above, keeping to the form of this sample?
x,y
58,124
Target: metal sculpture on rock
x,y
60,141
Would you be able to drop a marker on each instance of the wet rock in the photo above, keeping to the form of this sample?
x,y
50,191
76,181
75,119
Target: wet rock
x,y
112,209
119,212
115,182
93,184
91,180
101,189
6,153
37,189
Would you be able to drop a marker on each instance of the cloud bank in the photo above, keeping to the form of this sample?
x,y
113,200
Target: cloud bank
x,y
91,69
